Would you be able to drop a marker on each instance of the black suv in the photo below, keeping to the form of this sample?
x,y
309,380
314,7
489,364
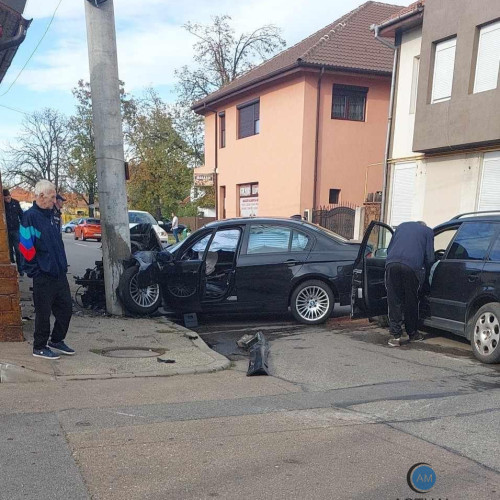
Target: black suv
x,y
462,293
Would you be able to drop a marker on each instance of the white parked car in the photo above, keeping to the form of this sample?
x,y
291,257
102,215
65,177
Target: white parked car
x,y
139,217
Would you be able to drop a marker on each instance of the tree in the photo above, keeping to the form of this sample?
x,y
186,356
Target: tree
x,y
160,178
220,57
82,170
41,150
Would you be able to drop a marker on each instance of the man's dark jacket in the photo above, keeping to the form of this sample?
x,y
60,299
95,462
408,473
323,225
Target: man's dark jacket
x,y
413,245
14,214
41,244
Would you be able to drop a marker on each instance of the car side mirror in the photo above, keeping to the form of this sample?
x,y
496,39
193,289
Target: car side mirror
x,y
164,257
160,222
381,253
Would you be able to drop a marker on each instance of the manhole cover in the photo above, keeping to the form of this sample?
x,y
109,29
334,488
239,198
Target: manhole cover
x,y
132,352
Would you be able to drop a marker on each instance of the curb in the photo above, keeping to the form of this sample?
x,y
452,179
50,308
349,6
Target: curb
x,y
14,374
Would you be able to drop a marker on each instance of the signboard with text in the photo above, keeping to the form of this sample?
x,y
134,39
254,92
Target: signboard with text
x,y
249,206
204,180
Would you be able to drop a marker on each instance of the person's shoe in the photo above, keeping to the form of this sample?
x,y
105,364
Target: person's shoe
x,y
62,348
45,353
395,342
416,337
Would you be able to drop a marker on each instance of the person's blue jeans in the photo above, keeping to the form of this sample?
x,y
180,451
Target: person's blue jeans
x,y
175,232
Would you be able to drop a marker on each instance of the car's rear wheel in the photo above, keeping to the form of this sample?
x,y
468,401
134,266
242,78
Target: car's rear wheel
x,y
312,302
67,230
484,333
75,237
138,300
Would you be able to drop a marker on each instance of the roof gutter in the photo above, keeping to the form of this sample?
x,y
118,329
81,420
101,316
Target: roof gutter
x,y
316,144
18,39
216,159
377,29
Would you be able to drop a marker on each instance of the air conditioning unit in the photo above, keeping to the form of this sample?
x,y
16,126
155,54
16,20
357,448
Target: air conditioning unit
x,y
308,214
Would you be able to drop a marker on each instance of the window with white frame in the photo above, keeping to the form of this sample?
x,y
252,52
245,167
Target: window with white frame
x,y
490,181
488,58
444,64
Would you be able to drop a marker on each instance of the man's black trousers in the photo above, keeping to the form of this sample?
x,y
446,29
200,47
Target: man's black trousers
x,y
402,298
51,295
14,249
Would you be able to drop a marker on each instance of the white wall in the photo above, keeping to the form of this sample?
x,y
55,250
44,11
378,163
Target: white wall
x,y
404,120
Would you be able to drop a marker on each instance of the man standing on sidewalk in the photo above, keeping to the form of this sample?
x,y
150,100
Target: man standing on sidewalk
x,y
175,227
45,261
14,214
58,205
409,256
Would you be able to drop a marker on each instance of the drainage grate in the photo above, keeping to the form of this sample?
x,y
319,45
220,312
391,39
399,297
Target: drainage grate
x,y
131,352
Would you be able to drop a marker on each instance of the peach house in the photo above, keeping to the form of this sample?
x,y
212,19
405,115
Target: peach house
x,y
306,128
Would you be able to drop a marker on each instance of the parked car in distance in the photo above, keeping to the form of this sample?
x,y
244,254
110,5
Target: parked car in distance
x,y
463,292
140,217
69,227
166,225
248,264
88,228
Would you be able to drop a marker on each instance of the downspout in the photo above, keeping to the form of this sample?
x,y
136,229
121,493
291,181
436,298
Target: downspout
x,y
216,162
389,121
18,38
316,145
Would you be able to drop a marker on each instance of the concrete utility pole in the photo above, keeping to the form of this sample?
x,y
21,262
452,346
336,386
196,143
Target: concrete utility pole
x,y
108,135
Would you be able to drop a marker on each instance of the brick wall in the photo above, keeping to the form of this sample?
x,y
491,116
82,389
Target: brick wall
x,y
10,308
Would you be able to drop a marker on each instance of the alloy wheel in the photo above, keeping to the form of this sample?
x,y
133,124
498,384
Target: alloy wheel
x,y
487,333
144,297
312,303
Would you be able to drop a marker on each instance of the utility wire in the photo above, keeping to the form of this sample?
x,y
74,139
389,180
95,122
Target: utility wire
x,y
35,49
13,109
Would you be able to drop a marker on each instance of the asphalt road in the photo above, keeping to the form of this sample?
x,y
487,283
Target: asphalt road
x,y
80,254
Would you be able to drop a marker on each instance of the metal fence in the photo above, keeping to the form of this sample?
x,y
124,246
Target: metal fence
x,y
336,218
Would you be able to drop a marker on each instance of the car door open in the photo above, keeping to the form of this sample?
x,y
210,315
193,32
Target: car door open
x,y
368,293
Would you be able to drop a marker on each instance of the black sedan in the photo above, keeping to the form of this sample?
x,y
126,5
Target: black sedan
x,y
254,264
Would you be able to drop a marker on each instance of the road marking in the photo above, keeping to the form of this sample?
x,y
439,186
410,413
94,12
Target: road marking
x,y
81,245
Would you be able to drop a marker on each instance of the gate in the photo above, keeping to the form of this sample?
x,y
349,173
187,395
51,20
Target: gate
x,y
339,219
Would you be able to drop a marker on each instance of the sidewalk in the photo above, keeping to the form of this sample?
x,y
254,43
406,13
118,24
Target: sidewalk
x,y
109,347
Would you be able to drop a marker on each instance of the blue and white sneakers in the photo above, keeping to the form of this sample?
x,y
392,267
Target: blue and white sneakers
x,y
62,348
45,353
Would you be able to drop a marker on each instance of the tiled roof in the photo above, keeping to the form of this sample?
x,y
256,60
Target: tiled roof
x,y
414,7
346,44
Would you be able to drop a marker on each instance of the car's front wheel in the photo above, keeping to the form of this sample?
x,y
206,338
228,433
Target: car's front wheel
x,y
312,302
484,333
67,230
138,300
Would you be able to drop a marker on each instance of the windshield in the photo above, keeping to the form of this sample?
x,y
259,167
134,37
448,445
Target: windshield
x,y
328,233
141,218
93,221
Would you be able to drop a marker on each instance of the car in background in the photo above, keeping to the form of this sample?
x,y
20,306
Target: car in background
x,y
69,227
139,217
166,225
246,265
88,228
463,289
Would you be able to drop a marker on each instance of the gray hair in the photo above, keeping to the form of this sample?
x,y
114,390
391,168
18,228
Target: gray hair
x,y
44,186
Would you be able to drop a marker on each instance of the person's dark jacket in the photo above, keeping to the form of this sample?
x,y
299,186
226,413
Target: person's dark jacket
x,y
14,214
413,245
41,244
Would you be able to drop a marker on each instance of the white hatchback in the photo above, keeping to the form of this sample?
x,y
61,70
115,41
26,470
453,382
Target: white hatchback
x,y
139,217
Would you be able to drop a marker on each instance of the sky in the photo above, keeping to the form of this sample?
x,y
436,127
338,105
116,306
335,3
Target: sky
x,y
151,45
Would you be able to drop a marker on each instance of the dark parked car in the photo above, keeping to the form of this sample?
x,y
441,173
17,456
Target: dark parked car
x,y
254,264
166,225
463,296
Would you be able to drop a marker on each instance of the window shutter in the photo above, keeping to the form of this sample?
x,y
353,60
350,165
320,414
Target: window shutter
x,y
489,198
488,58
444,64
403,188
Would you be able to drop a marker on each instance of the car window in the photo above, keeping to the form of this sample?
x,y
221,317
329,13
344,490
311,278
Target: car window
x,y
268,239
495,251
378,243
196,250
222,249
472,241
299,241
93,221
442,240
141,218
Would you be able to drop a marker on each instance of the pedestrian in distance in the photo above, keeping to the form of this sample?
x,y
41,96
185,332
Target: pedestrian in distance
x,y
14,215
410,256
175,227
45,262
58,205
